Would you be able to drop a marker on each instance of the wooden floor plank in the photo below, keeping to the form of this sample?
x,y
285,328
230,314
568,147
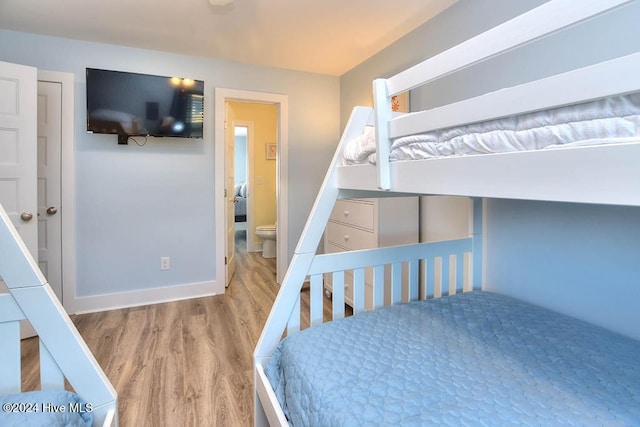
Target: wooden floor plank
x,y
184,363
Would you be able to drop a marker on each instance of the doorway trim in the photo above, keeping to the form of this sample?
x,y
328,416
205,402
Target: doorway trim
x,y
281,101
68,197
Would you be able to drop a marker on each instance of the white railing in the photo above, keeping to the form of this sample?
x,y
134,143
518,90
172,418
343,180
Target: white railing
x,y
63,352
535,24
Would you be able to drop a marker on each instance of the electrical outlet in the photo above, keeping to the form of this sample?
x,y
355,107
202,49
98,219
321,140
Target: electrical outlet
x,y
165,263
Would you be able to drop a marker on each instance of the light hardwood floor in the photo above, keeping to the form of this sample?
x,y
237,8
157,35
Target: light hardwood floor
x,y
185,363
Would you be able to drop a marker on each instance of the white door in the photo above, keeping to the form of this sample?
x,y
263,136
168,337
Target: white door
x,y
230,199
49,183
18,156
18,150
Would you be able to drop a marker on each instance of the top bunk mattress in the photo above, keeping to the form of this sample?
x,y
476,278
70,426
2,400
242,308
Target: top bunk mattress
x,y
609,120
476,358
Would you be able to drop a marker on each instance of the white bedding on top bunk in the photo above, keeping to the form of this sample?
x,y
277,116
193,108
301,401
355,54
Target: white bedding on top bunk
x,y
604,121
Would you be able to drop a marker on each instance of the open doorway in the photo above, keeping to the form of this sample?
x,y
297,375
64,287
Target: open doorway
x,y
240,178
244,131
224,186
255,178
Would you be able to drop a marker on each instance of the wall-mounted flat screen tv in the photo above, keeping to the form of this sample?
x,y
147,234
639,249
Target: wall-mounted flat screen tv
x,y
132,104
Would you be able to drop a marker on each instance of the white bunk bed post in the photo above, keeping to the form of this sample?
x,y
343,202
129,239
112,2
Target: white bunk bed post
x,y
383,113
10,375
65,352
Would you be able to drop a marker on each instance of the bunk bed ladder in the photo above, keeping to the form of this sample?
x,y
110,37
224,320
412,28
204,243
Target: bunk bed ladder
x,y
289,294
63,352
309,241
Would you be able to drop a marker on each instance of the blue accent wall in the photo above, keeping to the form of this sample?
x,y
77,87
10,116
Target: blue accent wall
x,y
583,260
135,204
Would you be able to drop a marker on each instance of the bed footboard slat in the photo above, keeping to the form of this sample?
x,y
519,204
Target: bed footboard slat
x,y
477,260
396,282
51,377
10,374
378,286
10,316
293,325
413,280
459,273
338,295
430,276
445,272
358,290
315,299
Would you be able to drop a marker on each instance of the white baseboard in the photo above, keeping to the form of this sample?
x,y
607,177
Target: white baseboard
x,y
90,304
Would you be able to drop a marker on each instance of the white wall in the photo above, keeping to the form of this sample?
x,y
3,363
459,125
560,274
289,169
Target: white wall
x,y
136,204
577,259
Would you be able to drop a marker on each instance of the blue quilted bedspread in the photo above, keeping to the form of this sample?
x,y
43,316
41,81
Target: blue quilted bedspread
x,y
471,359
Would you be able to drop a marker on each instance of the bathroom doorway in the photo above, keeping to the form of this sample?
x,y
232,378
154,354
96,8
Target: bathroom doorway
x,y
241,178
271,151
258,191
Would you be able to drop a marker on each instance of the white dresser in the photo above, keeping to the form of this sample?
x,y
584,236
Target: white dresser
x,y
369,223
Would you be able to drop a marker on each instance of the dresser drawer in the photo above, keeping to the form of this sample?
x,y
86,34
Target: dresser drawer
x,y
355,213
330,248
349,289
349,237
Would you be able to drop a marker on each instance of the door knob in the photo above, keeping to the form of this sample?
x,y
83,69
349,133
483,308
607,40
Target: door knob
x,y
52,210
26,216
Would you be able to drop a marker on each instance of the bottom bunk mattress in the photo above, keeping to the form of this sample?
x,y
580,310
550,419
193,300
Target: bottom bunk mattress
x,y
46,408
476,358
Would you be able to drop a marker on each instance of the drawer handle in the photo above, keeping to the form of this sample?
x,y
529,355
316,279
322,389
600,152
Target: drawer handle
x,y
346,237
346,213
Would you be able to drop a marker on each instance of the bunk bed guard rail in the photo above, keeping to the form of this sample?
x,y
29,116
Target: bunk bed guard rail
x,y
63,352
539,22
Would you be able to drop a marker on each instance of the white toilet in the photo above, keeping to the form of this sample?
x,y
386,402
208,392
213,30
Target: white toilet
x,y
267,233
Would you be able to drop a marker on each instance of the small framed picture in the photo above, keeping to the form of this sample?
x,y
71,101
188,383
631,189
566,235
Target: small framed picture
x,y
270,150
400,102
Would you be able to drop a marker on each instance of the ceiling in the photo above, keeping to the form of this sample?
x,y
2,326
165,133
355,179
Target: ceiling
x,y
321,36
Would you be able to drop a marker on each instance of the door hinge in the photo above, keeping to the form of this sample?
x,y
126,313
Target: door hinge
x,y
225,260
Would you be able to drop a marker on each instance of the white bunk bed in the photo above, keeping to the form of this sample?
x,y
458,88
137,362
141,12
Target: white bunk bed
x,y
602,174
63,353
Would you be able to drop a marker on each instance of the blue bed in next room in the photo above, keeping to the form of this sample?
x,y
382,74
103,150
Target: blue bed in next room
x,y
475,358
